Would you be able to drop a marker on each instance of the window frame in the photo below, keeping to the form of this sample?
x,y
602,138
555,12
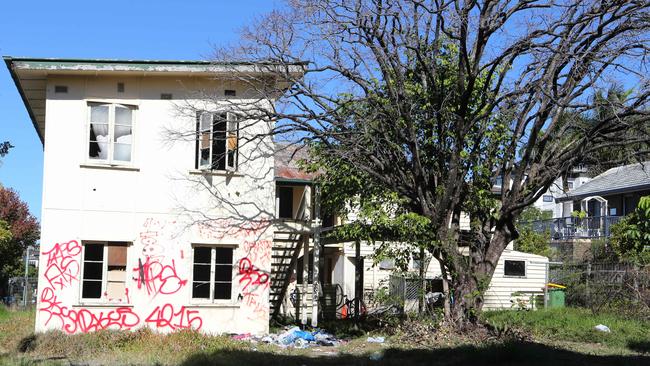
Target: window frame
x,y
199,131
512,275
211,299
102,299
110,161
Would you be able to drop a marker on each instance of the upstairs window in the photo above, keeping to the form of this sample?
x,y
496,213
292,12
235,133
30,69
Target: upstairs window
x,y
217,141
104,271
111,133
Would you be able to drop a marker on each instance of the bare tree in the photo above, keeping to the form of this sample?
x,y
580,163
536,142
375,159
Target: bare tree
x,y
434,99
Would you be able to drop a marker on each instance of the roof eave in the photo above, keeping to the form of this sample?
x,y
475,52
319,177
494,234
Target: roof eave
x,y
10,65
603,193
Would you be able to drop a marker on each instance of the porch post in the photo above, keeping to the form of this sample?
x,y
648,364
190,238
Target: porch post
x,y
358,284
305,279
317,254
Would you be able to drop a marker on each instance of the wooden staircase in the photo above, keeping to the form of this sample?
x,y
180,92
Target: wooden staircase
x,y
286,250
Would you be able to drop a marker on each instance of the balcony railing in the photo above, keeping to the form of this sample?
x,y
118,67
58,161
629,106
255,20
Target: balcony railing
x,y
575,228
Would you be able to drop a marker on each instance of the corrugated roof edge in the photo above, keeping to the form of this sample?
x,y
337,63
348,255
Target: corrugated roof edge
x,y
9,62
157,62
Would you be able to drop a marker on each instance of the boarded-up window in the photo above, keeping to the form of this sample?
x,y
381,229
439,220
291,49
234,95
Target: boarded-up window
x,y
104,271
514,268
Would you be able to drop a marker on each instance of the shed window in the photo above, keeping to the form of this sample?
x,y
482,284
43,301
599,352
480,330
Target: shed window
x,y
514,268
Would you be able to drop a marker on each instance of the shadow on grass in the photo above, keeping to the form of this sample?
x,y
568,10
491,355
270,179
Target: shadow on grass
x,y
497,354
639,346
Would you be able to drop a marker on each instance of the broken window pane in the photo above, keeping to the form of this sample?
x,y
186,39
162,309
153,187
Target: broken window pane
x,y
223,273
91,289
222,291
201,272
116,274
202,255
201,290
94,252
223,256
99,113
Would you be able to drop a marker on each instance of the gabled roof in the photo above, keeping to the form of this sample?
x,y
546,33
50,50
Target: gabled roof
x,y
30,74
622,179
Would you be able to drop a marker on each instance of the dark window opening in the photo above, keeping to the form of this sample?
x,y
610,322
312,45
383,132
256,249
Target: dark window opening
x,y
166,96
285,196
230,93
310,269
514,268
120,87
212,269
60,89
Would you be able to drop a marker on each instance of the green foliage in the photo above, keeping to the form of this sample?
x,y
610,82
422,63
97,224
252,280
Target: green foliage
x,y
630,237
4,148
530,241
579,214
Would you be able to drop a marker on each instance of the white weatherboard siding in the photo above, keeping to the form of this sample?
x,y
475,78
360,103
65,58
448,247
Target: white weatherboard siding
x,y
146,205
498,295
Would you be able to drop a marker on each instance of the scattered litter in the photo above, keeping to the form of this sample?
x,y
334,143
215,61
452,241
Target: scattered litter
x,y
293,337
602,328
376,356
376,340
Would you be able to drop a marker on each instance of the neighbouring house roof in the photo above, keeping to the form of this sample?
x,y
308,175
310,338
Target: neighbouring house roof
x,y
622,179
287,157
30,74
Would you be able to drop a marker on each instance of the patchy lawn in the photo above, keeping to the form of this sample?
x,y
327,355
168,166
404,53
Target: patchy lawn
x,y
574,329
412,343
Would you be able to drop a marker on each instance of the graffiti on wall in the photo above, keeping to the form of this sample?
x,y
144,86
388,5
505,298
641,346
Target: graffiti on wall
x,y
167,317
157,273
62,266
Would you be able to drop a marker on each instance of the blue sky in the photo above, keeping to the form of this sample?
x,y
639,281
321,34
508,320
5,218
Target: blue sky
x,y
144,29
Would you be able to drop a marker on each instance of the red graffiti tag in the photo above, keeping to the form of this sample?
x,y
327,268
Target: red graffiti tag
x,y
166,317
228,228
252,275
62,267
258,251
158,278
83,320
258,309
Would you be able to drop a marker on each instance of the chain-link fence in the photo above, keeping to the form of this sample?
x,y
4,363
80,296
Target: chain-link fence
x,y
414,295
20,295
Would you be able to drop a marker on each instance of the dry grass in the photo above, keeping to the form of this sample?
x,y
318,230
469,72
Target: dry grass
x,y
409,343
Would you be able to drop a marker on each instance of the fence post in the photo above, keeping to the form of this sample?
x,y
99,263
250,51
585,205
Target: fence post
x,y
587,284
548,268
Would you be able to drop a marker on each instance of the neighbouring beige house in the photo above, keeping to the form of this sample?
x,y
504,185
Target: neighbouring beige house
x,y
199,232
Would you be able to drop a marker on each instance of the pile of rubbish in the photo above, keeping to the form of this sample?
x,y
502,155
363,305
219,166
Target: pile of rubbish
x,y
294,337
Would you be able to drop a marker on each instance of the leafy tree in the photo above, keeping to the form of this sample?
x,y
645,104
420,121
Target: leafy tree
x,y
426,103
18,230
630,237
529,240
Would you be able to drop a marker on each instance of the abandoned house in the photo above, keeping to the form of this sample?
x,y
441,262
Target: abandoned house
x,y
142,227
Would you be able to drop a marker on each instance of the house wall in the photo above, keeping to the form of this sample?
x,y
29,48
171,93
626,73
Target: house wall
x,y
501,287
152,206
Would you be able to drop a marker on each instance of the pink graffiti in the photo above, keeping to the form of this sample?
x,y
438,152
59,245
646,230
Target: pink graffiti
x,y
252,275
166,317
157,278
84,320
258,251
62,267
228,228
258,309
